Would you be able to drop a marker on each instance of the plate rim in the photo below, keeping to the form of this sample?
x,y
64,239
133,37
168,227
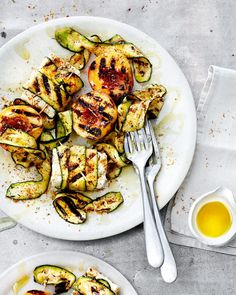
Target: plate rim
x,y
136,221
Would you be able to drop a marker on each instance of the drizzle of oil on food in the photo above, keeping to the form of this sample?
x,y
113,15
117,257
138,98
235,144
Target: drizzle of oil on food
x,y
20,284
81,267
22,51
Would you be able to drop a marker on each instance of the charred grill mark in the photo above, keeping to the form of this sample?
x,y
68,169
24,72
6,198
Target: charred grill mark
x,y
92,130
36,292
26,113
108,116
83,103
71,206
36,85
93,66
58,94
46,84
113,64
76,177
72,167
123,70
102,63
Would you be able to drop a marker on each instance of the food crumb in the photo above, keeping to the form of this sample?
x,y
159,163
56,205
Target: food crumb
x,y
3,35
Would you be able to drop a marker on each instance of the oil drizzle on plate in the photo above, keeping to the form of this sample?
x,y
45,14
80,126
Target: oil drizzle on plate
x,y
22,51
20,284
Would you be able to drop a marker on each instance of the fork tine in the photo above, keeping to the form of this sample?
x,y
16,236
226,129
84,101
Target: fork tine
x,y
154,142
126,144
137,140
145,140
130,143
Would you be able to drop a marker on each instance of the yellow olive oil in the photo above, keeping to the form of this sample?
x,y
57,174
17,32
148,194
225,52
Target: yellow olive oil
x,y
214,219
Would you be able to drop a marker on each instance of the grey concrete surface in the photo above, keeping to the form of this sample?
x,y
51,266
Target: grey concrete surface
x,y
197,34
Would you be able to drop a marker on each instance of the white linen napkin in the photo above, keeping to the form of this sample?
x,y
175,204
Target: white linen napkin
x,y
214,162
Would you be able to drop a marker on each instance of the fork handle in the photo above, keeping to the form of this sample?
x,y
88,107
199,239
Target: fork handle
x,y
168,268
152,240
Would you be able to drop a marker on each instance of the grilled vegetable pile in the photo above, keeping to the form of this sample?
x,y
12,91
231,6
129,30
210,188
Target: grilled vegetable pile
x,y
36,127
88,284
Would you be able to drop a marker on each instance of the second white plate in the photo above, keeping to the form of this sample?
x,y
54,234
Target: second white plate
x,y
76,262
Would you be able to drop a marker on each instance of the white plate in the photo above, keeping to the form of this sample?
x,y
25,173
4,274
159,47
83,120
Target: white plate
x,y
176,128
76,262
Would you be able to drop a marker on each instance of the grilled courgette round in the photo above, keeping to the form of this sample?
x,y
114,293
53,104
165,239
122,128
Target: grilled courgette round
x,y
94,115
111,73
21,117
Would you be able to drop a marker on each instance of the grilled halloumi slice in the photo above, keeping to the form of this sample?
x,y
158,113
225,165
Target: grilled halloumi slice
x,y
102,170
50,92
37,103
21,117
61,73
94,115
111,73
85,168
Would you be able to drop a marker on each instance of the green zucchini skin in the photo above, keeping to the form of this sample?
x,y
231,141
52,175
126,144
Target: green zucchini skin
x,y
79,199
27,157
17,138
28,190
112,154
47,274
75,41
88,286
116,138
105,204
156,94
67,210
142,69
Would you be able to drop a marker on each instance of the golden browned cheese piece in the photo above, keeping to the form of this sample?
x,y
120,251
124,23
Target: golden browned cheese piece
x,y
94,115
111,73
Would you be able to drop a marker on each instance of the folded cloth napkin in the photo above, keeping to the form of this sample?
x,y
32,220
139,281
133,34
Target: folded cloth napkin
x,y
214,163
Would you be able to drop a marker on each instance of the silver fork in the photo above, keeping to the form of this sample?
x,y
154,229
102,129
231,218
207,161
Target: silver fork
x,y
168,268
138,148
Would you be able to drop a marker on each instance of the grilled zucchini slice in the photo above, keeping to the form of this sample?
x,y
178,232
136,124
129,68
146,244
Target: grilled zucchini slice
x,y
132,115
62,278
27,157
123,110
142,69
102,170
94,115
112,154
76,166
21,117
64,154
116,138
113,170
66,120
51,93
62,73
156,94
68,38
75,41
90,286
11,139
91,169
67,210
80,59
28,190
105,204
111,72
79,199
